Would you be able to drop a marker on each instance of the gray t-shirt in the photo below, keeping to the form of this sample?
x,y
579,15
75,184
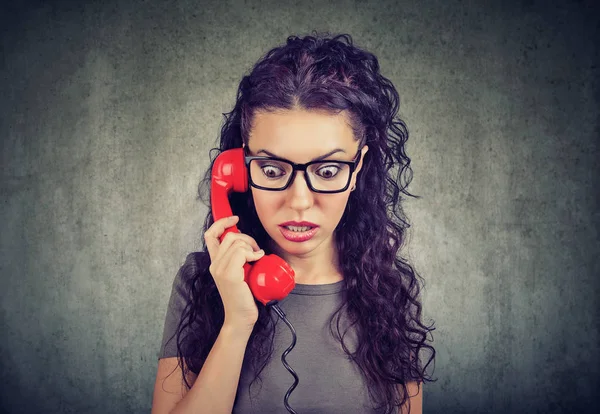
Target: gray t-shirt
x,y
329,382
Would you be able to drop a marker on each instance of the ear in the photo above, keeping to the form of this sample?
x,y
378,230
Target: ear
x,y
359,166
362,157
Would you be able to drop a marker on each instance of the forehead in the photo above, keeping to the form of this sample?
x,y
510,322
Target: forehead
x,y
301,134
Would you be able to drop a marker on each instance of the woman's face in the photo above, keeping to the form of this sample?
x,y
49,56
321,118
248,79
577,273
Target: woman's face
x,y
301,136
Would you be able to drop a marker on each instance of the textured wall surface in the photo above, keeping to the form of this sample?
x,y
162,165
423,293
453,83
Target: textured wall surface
x,y
107,112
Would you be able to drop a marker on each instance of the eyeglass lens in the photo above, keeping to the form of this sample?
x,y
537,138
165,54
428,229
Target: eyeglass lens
x,y
323,176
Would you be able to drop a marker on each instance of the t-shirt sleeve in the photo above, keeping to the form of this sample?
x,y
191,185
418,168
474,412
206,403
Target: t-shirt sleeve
x,y
175,308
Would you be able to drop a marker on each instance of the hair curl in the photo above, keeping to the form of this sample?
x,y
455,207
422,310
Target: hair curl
x,y
321,72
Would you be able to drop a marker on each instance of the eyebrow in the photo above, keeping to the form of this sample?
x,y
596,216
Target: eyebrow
x,y
322,157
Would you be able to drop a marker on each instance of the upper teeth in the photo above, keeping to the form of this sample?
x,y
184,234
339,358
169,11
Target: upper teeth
x,y
295,228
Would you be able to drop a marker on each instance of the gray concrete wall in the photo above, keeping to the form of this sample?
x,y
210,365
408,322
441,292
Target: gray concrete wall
x,y
108,110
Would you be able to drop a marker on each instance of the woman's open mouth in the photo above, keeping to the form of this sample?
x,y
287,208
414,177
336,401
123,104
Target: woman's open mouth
x,y
298,233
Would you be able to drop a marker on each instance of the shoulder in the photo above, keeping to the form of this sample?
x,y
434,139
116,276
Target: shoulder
x,y
189,273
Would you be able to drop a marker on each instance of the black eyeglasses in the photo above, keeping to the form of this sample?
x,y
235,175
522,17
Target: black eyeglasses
x,y
277,174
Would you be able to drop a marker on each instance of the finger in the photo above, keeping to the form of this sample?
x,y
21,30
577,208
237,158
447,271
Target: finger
x,y
229,237
212,234
229,256
231,242
218,227
212,245
236,257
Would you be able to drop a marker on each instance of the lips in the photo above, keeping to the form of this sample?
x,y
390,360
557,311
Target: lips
x,y
298,236
298,224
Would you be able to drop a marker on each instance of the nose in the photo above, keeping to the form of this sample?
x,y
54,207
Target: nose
x,y
299,194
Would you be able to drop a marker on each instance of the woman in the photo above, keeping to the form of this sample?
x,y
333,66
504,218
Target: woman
x,y
356,306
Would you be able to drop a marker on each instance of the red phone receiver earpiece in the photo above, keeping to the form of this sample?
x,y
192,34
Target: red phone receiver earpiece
x,y
228,174
270,278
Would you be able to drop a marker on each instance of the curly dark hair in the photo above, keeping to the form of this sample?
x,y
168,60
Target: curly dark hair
x,y
382,289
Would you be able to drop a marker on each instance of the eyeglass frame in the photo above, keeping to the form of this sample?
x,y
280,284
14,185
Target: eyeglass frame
x,y
301,167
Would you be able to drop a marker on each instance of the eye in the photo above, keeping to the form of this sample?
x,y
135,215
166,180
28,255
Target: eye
x,y
328,171
272,171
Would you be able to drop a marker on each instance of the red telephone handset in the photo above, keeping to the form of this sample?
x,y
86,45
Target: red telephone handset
x,y
270,278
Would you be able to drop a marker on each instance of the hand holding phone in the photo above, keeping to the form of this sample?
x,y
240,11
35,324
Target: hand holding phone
x,y
227,261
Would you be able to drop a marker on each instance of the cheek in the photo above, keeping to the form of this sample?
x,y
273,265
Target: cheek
x,y
265,202
335,205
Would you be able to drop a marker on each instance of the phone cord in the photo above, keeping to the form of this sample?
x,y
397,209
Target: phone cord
x,y
279,311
